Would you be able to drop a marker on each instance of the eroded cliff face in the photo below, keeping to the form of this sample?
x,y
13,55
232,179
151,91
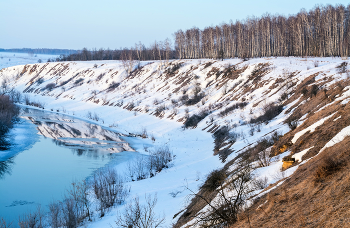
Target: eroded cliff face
x,y
305,100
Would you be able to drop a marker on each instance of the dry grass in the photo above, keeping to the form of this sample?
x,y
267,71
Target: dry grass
x,y
302,202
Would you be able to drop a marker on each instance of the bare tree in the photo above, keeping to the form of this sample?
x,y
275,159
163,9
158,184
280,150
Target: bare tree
x,y
232,192
32,219
109,189
128,60
140,216
4,224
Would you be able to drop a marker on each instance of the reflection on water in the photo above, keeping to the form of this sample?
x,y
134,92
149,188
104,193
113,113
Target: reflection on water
x,y
5,167
65,150
75,133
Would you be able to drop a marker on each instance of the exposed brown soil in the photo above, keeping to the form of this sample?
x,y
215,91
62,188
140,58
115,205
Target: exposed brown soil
x,y
302,202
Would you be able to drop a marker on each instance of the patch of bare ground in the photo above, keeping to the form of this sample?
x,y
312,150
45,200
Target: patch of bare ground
x,y
316,195
315,107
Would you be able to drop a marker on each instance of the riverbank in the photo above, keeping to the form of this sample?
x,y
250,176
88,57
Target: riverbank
x,y
192,149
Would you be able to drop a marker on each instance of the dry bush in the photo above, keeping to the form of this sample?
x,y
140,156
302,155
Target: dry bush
x,y
94,116
144,133
55,215
207,65
327,167
292,122
195,99
231,196
4,224
222,135
8,113
40,81
32,219
172,68
159,159
79,81
313,90
160,109
50,86
184,98
342,67
113,86
192,121
261,152
137,169
15,96
233,107
100,76
304,91
270,112
214,180
109,189
140,216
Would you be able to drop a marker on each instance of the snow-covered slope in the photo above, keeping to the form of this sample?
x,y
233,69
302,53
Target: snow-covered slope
x,y
159,96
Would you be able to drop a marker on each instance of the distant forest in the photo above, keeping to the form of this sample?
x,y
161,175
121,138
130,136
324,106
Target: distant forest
x,y
322,31
47,51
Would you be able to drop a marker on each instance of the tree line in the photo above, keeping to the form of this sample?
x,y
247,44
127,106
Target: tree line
x,y
161,50
322,31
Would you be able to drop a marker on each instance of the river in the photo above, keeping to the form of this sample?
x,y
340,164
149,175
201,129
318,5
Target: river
x,y
48,152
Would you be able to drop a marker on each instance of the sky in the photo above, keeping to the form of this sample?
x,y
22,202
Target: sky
x,y
75,24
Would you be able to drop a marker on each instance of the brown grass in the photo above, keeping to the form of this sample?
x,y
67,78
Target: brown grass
x,y
299,202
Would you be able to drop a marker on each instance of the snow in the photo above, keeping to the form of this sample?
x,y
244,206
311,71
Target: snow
x,y
337,118
8,59
310,128
193,147
337,138
22,137
298,156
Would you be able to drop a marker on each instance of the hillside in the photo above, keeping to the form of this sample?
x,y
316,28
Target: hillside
x,y
268,109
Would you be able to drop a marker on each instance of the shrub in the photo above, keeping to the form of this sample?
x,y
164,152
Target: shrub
x,y
137,215
79,81
283,97
50,86
32,219
159,159
327,167
159,110
183,98
342,67
113,85
94,116
313,90
304,91
292,122
172,68
214,180
15,96
40,81
231,108
108,188
100,76
197,96
193,120
8,114
137,169
222,135
224,210
270,112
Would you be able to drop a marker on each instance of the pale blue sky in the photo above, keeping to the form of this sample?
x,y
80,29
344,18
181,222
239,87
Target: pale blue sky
x,y
75,24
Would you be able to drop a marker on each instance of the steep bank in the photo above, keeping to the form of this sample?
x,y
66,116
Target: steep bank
x,y
253,98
